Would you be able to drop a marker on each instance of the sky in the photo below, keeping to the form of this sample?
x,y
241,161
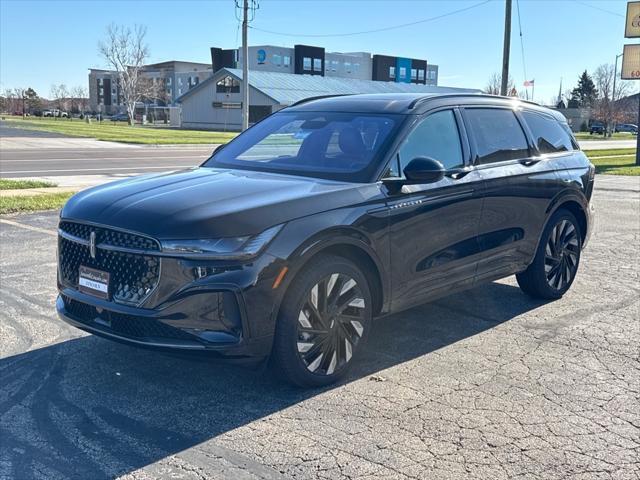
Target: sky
x,y
51,42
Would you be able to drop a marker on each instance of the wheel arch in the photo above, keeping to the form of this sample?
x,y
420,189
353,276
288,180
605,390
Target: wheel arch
x,y
346,243
578,207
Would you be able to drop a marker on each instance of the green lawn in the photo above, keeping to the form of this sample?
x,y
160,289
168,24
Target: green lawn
x,y
6,184
119,132
615,136
619,161
32,203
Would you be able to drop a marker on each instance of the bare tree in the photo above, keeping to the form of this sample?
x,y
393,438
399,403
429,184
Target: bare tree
x,y
59,95
126,52
608,108
80,97
494,85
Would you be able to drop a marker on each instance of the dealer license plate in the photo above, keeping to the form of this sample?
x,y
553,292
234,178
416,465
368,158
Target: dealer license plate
x,y
94,282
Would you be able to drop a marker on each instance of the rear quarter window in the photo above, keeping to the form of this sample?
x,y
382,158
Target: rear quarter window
x,y
548,134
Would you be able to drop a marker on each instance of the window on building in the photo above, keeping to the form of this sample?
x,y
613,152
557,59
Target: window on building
x,y
432,74
420,74
549,136
179,91
414,74
356,67
180,81
347,67
277,60
317,64
392,72
498,134
403,72
228,85
169,81
334,65
436,137
286,60
306,63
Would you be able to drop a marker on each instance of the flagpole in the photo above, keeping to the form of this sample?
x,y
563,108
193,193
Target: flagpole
x,y
533,88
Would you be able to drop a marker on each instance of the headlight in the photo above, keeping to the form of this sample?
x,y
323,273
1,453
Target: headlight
x,y
222,248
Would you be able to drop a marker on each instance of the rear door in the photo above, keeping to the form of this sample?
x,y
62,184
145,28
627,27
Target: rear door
x,y
518,186
433,227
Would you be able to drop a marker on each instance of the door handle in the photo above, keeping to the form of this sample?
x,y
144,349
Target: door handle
x,y
529,162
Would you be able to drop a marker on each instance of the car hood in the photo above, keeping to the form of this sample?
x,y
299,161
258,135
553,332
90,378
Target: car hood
x,y
210,203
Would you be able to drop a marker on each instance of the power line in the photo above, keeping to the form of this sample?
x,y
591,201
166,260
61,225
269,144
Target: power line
x,y
600,8
376,30
524,66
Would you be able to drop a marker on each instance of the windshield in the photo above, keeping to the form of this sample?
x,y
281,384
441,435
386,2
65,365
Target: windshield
x,y
336,146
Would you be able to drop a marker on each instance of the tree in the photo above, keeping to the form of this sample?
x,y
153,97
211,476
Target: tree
x,y
59,94
608,108
495,83
126,52
585,94
32,100
79,98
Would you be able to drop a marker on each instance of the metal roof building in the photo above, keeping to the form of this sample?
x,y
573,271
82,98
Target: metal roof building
x,y
216,103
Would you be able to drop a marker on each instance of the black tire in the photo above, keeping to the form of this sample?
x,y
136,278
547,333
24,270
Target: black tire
x,y
315,344
557,259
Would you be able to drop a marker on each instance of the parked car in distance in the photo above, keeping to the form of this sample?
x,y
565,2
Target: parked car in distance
x,y
120,117
55,113
627,127
289,240
597,128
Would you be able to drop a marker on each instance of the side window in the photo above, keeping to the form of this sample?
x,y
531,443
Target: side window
x,y
437,137
549,136
498,134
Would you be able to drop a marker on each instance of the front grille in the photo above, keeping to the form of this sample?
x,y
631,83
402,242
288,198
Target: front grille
x,y
133,276
124,325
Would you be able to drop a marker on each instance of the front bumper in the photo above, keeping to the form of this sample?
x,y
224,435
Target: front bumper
x,y
229,314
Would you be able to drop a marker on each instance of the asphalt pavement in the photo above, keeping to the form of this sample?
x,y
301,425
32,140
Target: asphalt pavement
x,y
488,384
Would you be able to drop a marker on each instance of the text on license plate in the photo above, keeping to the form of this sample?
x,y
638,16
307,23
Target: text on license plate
x,y
94,282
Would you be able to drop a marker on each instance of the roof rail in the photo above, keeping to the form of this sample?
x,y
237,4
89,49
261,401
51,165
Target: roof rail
x,y
318,97
420,100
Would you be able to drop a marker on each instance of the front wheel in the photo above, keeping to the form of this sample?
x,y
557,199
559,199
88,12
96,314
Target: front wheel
x,y
323,323
556,262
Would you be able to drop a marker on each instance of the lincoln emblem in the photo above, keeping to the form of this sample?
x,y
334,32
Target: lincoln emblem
x,y
92,244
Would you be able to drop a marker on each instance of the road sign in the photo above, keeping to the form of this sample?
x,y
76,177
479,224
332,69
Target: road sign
x,y
632,29
631,62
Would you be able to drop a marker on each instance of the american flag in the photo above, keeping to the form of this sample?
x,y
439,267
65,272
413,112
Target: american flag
x,y
529,83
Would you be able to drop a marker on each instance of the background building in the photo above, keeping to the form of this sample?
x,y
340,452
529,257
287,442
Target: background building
x,y
312,60
173,79
215,104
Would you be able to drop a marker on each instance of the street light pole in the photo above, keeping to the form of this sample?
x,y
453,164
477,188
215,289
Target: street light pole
x,y
613,93
245,67
506,48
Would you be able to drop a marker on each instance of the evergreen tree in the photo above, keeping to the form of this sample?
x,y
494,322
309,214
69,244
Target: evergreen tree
x,y
586,93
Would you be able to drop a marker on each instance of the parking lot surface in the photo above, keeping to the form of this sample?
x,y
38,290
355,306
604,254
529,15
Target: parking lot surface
x,y
486,384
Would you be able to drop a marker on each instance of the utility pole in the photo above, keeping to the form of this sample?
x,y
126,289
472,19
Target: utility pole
x,y
506,48
245,66
613,93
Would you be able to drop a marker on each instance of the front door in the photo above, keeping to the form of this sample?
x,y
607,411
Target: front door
x,y
433,227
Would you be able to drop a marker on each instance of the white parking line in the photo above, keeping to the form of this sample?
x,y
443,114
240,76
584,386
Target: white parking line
x,y
107,169
53,233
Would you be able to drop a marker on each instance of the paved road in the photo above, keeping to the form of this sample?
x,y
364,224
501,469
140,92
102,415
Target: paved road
x,y
485,385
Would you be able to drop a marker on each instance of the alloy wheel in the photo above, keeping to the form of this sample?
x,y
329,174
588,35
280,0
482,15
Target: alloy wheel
x,y
330,324
561,255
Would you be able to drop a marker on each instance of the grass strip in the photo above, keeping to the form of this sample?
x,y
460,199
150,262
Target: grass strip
x,y
7,184
33,203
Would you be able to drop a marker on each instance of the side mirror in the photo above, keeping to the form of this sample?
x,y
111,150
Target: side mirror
x,y
424,170
217,149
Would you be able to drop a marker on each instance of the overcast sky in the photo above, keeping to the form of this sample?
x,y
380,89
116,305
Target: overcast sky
x,y
46,42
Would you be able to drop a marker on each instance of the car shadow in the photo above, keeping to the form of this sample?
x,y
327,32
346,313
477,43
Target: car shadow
x,y
91,408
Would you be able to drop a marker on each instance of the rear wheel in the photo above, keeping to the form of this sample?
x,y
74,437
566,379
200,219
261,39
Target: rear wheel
x,y
323,322
556,262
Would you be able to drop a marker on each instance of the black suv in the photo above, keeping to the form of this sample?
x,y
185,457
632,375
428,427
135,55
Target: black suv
x,y
292,237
